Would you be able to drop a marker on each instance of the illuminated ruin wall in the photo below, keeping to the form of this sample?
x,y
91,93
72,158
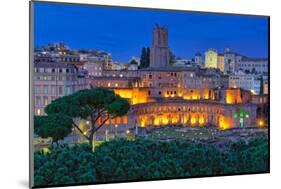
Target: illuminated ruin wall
x,y
135,95
195,114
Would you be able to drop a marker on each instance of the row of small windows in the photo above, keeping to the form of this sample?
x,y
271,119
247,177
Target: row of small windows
x,y
173,74
253,65
183,108
43,100
54,70
45,89
54,78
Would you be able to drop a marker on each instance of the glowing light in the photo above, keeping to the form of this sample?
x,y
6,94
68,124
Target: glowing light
x,y
135,95
142,123
87,122
253,91
224,123
193,120
201,120
233,96
128,131
85,133
261,123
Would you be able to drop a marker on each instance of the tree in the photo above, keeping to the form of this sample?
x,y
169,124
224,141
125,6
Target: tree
x,y
94,105
172,57
64,165
56,126
133,62
145,57
147,62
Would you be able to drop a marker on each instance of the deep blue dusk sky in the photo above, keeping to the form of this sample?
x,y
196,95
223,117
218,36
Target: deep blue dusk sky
x,y
123,32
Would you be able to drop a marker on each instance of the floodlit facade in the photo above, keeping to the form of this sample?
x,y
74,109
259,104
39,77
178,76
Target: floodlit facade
x,y
159,53
211,59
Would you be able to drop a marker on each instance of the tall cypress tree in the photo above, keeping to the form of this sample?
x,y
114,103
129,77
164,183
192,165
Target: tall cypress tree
x,y
147,57
143,58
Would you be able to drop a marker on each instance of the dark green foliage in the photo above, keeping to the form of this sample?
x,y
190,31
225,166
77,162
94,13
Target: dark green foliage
x,y
56,126
142,159
172,57
122,160
251,157
133,62
145,58
64,165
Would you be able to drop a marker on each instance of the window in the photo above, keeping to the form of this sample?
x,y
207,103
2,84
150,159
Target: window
x,y
53,89
45,99
38,100
125,119
45,89
118,120
159,92
149,93
53,98
38,112
60,90
68,90
37,89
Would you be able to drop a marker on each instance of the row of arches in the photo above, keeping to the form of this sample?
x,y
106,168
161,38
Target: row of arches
x,y
185,119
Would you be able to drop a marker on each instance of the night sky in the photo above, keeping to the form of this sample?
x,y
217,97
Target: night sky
x,y
123,32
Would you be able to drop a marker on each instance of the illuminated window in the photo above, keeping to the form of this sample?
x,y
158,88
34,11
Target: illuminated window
x,y
38,112
116,84
113,121
45,99
108,84
118,120
125,119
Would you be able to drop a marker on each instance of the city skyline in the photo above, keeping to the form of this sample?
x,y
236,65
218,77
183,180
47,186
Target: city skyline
x,y
247,35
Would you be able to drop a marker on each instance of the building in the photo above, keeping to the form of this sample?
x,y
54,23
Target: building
x,y
198,59
211,58
221,62
230,60
53,80
245,81
133,66
160,94
159,53
93,68
252,65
